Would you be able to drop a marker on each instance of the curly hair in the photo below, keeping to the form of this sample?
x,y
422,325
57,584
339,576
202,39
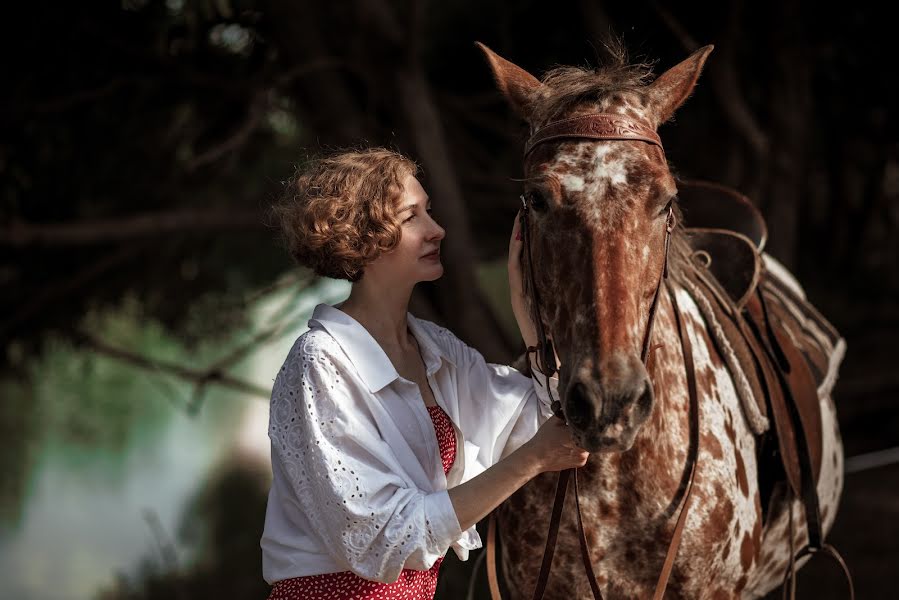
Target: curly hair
x,y
339,212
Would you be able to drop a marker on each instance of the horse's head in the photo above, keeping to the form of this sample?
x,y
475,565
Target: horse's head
x,y
597,227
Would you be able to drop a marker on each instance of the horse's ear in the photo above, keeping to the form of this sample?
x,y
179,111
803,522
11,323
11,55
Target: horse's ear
x,y
675,85
517,85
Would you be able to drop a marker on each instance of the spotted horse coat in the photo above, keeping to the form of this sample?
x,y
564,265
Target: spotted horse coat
x,y
597,233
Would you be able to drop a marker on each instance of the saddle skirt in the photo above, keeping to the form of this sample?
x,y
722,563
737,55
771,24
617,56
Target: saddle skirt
x,y
782,354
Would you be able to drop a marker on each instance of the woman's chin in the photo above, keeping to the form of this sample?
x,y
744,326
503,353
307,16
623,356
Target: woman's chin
x,y
431,273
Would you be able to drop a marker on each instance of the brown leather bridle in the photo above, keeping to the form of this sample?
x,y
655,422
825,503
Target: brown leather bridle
x,y
600,126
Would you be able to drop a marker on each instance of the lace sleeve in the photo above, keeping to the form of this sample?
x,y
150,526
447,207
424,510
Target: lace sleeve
x,y
344,475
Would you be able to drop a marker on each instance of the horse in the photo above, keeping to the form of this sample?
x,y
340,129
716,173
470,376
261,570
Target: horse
x,y
611,262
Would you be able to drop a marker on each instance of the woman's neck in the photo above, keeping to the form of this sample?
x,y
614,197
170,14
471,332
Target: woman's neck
x,y
381,311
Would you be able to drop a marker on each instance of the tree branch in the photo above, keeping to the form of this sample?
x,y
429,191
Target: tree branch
x,y
239,137
167,552
383,17
21,234
327,100
62,103
258,108
282,325
461,300
313,66
724,82
66,288
200,378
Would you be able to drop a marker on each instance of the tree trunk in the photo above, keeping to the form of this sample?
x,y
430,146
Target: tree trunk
x,y
790,114
323,96
459,299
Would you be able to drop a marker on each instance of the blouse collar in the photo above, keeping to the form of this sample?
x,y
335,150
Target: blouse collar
x,y
366,354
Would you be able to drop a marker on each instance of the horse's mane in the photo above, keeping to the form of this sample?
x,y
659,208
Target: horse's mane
x,y
565,86
681,252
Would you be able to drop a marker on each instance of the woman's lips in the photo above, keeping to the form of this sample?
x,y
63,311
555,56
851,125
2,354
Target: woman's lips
x,y
435,255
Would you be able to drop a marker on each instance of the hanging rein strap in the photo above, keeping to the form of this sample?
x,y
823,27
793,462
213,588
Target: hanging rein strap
x,y
544,352
601,127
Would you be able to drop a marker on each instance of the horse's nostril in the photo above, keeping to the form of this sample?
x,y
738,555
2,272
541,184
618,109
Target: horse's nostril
x,y
644,400
578,410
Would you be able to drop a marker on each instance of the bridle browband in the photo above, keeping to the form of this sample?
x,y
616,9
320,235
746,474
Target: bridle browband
x,y
599,126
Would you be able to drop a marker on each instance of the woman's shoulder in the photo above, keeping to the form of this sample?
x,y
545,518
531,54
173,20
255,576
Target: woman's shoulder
x,y
447,342
436,331
316,341
316,368
316,347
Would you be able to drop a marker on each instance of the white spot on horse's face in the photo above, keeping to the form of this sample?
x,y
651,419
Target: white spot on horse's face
x,y
645,252
613,170
572,183
569,182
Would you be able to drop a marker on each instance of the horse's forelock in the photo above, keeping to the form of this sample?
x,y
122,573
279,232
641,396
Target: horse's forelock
x,y
567,86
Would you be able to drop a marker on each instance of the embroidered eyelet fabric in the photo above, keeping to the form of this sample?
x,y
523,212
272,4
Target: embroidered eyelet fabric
x,y
359,478
346,585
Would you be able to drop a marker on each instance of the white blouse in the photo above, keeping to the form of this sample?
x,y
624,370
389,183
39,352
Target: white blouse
x,y
358,482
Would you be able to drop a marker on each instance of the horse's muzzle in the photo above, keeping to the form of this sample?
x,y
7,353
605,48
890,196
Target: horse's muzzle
x,y
605,416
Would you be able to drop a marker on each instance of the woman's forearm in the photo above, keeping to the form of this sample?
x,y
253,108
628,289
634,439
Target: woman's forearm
x,y
474,499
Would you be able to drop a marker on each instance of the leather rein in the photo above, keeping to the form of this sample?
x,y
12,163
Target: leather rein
x,y
600,127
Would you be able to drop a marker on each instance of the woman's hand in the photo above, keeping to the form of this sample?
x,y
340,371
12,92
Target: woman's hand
x,y
516,286
553,448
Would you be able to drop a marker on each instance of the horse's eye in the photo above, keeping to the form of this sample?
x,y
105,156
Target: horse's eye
x,y
536,200
668,205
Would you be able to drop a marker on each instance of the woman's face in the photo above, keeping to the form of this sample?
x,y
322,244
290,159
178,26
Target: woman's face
x,y
417,256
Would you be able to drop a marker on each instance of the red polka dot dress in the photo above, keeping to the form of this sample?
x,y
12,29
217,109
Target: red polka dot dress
x,y
346,585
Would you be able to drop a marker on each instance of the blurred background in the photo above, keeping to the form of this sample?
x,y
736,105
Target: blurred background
x,y
147,304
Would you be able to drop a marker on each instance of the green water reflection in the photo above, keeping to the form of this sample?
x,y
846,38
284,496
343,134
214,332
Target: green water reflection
x,y
112,488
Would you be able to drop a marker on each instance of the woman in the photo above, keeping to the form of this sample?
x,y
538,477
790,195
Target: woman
x,y
391,438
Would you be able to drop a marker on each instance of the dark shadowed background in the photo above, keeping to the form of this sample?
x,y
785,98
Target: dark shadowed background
x,y
146,304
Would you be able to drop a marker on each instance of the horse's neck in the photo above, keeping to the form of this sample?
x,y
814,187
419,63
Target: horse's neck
x,y
669,419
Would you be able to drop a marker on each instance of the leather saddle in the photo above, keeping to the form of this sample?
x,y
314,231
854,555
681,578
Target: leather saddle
x,y
766,325
729,230
781,352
